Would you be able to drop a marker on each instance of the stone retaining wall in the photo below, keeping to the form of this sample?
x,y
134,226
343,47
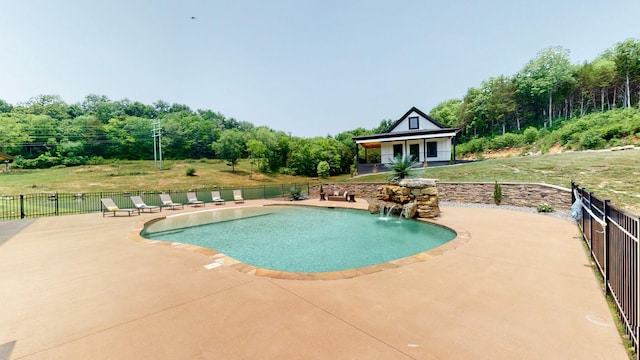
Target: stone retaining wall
x,y
516,194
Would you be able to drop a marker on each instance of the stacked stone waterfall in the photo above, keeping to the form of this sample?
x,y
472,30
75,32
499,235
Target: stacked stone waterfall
x,y
417,198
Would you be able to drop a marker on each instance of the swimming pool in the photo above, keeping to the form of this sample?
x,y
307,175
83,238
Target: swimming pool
x,y
301,238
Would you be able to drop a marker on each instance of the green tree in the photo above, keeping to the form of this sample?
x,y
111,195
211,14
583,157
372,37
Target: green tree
x,y
627,60
230,146
5,107
447,112
545,75
501,104
13,134
259,153
99,106
323,169
129,137
473,112
264,145
384,126
51,105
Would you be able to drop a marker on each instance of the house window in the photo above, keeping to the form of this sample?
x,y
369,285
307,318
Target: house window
x,y
432,149
397,150
414,150
414,123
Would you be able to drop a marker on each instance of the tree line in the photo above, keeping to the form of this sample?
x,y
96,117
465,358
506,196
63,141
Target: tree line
x,y
548,88
45,131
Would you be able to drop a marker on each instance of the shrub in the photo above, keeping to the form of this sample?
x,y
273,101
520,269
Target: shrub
x,y
530,135
497,193
506,140
96,160
544,208
295,193
74,161
615,142
613,131
591,140
287,171
323,169
400,166
191,171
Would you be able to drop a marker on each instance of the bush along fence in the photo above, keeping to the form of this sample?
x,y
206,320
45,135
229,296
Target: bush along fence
x,y
54,204
612,237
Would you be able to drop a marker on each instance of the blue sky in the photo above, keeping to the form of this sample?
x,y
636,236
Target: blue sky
x,y
309,68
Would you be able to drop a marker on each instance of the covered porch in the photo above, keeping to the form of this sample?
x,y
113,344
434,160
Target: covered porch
x,y
374,154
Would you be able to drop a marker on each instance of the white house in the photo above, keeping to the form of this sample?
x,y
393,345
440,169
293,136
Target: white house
x,y
416,134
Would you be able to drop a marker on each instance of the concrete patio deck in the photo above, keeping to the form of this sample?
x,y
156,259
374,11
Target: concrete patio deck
x,y
522,287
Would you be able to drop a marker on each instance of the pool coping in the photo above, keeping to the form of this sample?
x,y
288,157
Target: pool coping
x,y
219,259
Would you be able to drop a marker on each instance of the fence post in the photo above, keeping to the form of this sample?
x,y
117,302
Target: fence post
x,y
573,196
22,215
605,245
591,219
56,205
637,347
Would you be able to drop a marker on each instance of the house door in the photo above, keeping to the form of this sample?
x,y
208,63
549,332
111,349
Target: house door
x,y
414,151
397,150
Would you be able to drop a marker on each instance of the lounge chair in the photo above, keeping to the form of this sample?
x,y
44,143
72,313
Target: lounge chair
x,y
216,199
111,207
139,204
167,202
237,196
192,199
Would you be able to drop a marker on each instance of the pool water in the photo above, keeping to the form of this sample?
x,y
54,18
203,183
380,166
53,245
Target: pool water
x,y
301,238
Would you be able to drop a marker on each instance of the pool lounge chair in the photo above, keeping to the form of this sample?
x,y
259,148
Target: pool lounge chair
x,y
139,204
111,207
237,196
192,199
216,199
167,202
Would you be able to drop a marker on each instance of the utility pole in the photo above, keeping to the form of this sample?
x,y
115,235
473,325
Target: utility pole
x,y
251,167
157,144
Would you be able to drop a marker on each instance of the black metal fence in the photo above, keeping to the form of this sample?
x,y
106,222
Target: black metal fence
x,y
54,204
612,236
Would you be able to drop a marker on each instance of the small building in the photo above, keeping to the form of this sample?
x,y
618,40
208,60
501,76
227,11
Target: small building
x,y
6,159
416,134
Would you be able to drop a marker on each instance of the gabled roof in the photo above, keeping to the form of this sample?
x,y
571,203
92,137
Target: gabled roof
x,y
434,121
443,131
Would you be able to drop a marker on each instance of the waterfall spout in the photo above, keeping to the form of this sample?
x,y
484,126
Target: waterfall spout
x,y
385,211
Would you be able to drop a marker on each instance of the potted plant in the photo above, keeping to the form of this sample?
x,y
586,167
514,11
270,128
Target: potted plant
x,y
321,193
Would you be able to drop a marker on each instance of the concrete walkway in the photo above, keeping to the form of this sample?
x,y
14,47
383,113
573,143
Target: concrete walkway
x,y
78,287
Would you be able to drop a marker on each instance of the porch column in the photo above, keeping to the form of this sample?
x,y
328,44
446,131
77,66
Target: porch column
x,y
424,150
453,140
357,160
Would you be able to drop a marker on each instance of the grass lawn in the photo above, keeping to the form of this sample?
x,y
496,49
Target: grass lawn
x,y
613,175
138,175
